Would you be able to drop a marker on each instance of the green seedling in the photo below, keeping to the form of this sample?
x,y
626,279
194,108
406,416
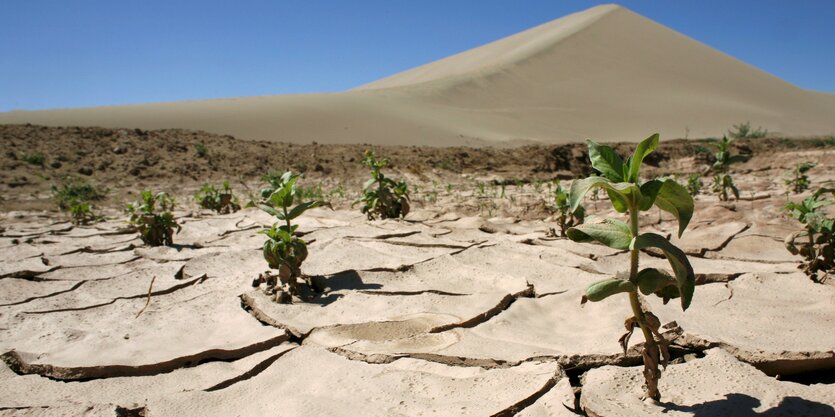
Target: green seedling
x,y
284,251
82,213
628,195
567,217
694,184
722,181
75,196
220,200
816,243
201,150
381,196
152,218
743,130
797,180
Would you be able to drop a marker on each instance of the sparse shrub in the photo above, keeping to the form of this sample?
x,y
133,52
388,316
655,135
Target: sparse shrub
x,y
797,180
567,217
220,200
283,250
34,159
75,196
628,195
82,213
722,181
817,242
389,199
694,184
152,218
201,150
743,130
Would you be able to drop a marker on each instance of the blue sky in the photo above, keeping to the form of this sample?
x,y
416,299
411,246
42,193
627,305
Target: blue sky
x,y
58,54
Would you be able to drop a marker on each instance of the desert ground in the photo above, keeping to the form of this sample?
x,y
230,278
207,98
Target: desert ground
x,y
470,305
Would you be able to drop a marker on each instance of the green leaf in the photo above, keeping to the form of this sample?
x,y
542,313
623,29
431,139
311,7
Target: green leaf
x,y
603,289
685,277
624,191
301,208
651,280
612,233
606,161
649,191
368,183
674,199
641,151
268,209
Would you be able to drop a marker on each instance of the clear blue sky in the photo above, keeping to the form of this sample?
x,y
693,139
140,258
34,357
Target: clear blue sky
x,y
62,53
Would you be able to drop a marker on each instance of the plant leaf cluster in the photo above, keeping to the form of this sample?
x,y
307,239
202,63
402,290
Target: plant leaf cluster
x,y
75,196
620,179
283,250
220,200
744,130
722,181
567,217
797,180
152,218
381,196
816,243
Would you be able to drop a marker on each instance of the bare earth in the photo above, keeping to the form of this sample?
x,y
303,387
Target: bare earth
x,y
469,306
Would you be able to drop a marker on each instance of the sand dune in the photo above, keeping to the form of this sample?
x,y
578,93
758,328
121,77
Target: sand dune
x,y
606,73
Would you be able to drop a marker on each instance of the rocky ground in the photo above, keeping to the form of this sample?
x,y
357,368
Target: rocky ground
x,y
460,309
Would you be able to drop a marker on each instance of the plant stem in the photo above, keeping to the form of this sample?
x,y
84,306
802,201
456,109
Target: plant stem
x,y
650,354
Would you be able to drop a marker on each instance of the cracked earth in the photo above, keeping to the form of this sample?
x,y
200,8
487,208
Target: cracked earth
x,y
437,314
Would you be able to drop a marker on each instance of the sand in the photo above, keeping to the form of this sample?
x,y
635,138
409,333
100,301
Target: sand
x,y
441,313
605,73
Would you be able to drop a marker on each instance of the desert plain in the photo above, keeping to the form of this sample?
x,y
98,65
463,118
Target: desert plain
x,y
470,304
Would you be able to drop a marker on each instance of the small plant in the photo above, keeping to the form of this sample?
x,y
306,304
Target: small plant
x,y
694,184
220,200
82,213
567,217
389,199
743,130
75,196
629,195
152,218
817,241
34,159
722,181
283,250
201,150
797,180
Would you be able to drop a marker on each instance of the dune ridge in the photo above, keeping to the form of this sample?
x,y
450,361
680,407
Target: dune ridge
x,y
605,72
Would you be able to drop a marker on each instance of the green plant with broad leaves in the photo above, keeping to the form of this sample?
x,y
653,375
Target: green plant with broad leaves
x,y
797,181
152,218
220,199
566,217
816,243
82,213
283,250
722,181
381,196
628,195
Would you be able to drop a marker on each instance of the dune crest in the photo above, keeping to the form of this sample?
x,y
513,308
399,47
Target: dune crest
x,y
605,72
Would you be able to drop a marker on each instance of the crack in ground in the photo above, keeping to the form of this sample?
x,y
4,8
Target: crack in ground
x,y
416,292
252,372
86,373
166,291
503,305
73,288
526,402
725,243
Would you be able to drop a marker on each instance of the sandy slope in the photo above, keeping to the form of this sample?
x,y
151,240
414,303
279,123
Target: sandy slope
x,y
605,72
